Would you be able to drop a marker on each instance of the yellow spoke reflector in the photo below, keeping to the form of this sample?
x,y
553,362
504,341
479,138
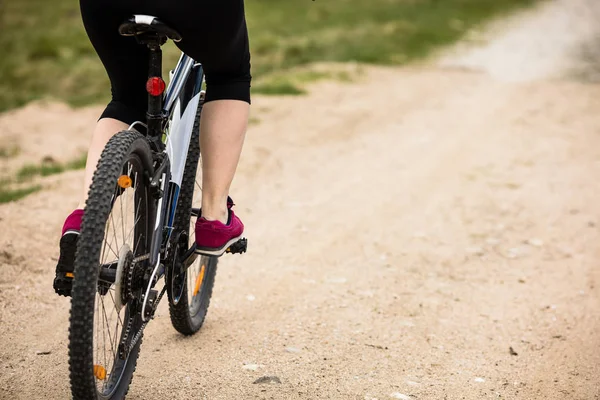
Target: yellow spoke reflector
x,y
124,182
69,275
199,279
100,372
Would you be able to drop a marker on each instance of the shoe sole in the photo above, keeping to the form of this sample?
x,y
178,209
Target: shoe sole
x,y
207,251
62,283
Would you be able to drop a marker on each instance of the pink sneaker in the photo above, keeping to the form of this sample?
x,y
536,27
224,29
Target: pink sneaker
x,y
68,245
213,238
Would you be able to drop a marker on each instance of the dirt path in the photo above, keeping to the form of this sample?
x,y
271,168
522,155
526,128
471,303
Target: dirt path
x,y
406,231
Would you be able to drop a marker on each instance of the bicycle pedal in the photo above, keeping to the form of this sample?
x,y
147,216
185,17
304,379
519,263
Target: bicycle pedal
x,y
62,285
239,247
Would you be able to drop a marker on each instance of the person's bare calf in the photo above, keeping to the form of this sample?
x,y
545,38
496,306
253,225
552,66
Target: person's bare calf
x,y
105,129
222,131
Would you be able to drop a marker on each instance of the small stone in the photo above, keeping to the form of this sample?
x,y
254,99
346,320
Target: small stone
x,y
512,351
515,252
412,383
267,380
397,395
292,350
479,380
536,242
252,367
337,280
492,241
478,251
250,297
376,346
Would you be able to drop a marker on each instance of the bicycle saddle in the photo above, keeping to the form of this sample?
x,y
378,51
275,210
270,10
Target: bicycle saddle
x,y
141,24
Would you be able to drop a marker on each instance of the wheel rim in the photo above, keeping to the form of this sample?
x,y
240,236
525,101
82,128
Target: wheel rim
x,y
196,284
179,279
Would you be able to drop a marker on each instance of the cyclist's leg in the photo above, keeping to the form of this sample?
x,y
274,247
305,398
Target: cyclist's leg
x,y
220,41
104,130
126,64
223,126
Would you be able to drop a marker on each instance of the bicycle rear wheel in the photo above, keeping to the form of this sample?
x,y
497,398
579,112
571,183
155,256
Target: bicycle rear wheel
x,y
190,290
105,324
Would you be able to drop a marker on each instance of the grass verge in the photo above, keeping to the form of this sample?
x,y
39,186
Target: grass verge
x,y
29,172
49,55
49,167
8,195
9,152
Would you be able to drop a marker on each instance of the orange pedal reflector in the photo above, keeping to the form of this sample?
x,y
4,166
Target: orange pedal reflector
x,y
69,275
124,182
199,280
100,372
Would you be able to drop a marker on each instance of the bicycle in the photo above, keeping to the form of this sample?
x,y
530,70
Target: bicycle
x,y
143,192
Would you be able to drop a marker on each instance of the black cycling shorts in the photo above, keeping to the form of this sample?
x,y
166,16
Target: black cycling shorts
x,y
214,33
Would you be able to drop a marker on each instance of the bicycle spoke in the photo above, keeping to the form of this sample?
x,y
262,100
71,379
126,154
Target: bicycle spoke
x,y
112,218
135,208
131,232
119,320
107,243
108,328
104,344
122,218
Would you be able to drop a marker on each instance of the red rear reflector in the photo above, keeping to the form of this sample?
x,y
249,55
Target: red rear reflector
x,y
155,86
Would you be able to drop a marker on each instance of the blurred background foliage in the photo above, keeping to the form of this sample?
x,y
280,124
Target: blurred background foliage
x,y
46,53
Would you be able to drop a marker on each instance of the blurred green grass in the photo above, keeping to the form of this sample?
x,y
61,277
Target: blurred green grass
x,y
29,172
49,167
45,52
8,195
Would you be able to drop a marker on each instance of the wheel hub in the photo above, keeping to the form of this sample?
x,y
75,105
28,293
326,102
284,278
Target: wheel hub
x,y
123,267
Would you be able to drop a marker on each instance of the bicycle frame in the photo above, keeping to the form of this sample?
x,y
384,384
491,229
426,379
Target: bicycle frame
x,y
181,101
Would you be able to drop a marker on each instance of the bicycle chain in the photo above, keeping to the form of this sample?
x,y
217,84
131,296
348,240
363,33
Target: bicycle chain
x,y
138,334
124,340
128,296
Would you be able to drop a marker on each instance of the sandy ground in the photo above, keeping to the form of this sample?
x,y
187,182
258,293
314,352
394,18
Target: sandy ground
x,y
406,232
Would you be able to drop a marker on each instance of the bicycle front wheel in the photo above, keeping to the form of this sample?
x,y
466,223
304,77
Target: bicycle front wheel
x,y
105,324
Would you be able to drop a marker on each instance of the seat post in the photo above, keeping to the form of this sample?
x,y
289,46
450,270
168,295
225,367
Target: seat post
x,y
155,103
153,33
